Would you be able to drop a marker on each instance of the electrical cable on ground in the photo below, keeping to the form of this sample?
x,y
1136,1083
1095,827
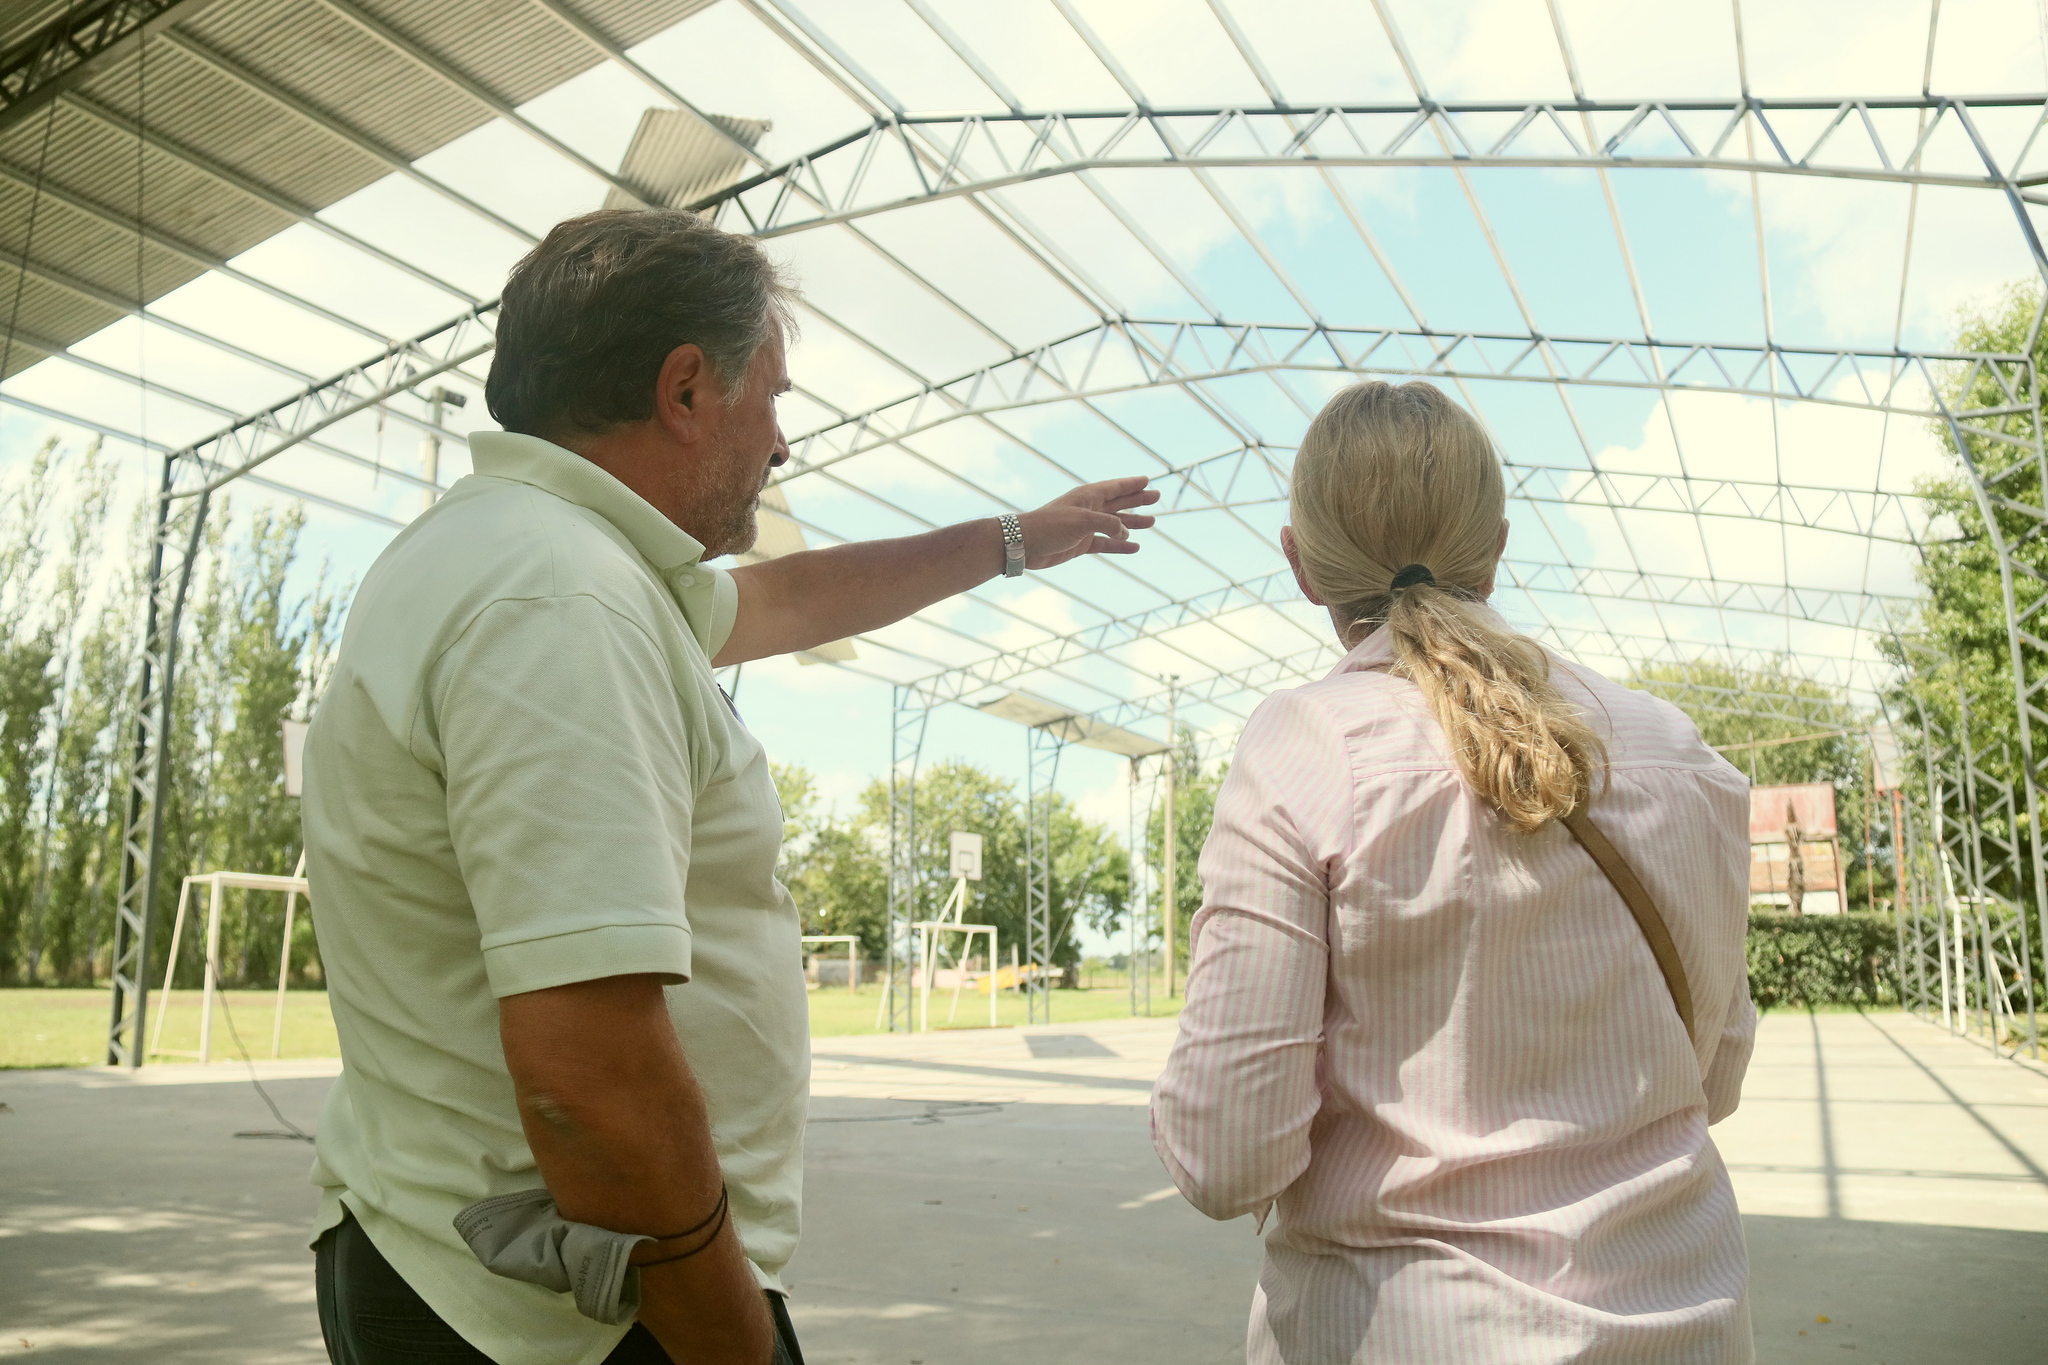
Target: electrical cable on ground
x,y
290,1132
936,1111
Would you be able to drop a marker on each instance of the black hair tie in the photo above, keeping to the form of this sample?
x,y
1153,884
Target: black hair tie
x,y
1412,574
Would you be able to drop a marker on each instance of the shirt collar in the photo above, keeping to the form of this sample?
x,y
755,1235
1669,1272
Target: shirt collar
x,y
1376,651
567,475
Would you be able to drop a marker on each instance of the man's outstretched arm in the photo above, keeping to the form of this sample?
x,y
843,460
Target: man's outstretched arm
x,y
619,1130
804,600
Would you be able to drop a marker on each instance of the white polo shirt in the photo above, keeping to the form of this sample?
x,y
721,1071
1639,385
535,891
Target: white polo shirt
x,y
522,774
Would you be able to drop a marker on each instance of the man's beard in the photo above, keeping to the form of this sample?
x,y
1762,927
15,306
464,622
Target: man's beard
x,y
730,524
740,528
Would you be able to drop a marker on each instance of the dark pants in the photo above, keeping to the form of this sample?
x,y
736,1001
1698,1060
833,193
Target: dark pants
x,y
370,1316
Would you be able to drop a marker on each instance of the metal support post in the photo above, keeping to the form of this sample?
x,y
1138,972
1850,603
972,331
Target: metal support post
x,y
1144,793
1996,431
1134,901
1043,767
910,713
1169,896
174,551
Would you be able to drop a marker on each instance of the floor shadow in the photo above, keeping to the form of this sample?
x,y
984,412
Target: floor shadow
x,y
1896,1293
136,1226
1065,1045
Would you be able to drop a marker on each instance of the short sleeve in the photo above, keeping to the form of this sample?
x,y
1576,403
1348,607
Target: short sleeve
x,y
566,759
725,609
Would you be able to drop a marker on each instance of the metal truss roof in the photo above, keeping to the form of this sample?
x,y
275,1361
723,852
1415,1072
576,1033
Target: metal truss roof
x,y
1006,297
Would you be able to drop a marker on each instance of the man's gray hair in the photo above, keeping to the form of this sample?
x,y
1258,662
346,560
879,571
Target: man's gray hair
x,y
590,314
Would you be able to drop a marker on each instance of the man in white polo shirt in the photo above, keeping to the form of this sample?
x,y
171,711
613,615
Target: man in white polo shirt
x,y
544,844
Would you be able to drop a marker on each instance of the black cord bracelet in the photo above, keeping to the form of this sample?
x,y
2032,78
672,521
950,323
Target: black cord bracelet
x,y
717,1213
697,1249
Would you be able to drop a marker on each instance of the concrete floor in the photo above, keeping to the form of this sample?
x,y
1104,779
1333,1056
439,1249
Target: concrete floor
x,y
981,1197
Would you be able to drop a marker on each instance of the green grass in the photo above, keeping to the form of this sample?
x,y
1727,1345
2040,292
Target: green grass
x,y
51,1026
836,1012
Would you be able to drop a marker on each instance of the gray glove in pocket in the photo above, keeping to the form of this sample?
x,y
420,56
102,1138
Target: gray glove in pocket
x,y
523,1236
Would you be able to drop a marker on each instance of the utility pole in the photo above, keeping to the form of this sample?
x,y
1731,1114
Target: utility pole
x,y
438,402
1172,840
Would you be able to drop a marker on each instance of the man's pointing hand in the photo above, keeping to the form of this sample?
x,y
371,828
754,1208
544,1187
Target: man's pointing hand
x,y
1094,519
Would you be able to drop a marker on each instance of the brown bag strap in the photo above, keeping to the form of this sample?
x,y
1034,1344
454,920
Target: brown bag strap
x,y
1637,897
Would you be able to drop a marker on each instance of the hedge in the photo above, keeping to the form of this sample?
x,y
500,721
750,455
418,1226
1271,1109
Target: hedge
x,y
1822,960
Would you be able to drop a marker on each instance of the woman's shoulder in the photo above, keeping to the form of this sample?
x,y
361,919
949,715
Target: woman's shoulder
x,y
1640,727
1371,715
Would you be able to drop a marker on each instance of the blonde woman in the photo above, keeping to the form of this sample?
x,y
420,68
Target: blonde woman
x,y
1425,1030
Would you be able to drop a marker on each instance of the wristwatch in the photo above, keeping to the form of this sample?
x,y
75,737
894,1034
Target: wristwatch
x,y
1013,545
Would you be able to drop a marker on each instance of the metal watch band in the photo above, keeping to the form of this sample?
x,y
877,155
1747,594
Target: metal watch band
x,y
1013,545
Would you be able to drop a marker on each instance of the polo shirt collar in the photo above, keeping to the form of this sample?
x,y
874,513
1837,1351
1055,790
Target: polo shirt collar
x,y
567,475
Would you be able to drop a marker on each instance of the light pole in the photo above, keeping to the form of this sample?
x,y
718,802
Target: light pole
x,y
438,401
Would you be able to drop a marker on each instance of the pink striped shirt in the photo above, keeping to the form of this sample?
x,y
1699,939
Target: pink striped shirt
x,y
1441,1050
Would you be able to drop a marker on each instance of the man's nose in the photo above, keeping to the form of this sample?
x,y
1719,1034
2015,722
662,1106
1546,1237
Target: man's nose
x,y
780,454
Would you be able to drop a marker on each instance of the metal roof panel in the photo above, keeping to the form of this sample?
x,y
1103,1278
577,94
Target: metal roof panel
x,y
225,154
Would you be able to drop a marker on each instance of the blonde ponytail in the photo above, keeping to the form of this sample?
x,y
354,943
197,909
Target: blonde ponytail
x,y
1401,482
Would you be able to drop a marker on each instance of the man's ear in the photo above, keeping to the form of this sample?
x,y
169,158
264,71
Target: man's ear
x,y
1293,553
681,391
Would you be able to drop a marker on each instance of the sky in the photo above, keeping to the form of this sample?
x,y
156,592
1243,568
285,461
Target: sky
x,y
1686,255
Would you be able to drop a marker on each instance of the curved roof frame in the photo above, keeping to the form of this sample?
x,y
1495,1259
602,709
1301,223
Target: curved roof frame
x,y
1129,645
977,157
936,152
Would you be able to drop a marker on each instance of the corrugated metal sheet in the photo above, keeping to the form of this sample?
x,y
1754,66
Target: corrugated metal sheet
x,y
675,160
84,152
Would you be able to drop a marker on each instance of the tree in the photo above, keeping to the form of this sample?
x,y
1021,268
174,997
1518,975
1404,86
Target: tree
x,y
1830,745
69,625
838,869
28,689
1960,637
74,784
952,796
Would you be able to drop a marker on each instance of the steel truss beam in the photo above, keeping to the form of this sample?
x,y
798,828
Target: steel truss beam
x,y
2005,862
1140,796
58,56
1966,945
904,159
1970,928
174,550
1260,678
237,449
1252,476
908,718
1042,759
1871,514
1825,605
1127,355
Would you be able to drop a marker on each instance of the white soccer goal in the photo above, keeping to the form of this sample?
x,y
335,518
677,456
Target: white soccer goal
x,y
852,942
218,883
